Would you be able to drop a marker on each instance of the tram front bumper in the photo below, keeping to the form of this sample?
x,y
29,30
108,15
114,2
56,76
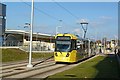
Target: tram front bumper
x,y
63,59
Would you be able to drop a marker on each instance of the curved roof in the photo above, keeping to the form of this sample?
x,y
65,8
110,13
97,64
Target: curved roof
x,y
41,35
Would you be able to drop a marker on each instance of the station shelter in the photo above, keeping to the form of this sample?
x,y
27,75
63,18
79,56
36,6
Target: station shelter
x,y
21,39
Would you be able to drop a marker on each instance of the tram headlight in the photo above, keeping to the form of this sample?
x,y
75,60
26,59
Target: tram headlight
x,y
67,55
56,54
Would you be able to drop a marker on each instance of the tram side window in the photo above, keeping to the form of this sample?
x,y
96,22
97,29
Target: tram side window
x,y
81,46
73,46
78,44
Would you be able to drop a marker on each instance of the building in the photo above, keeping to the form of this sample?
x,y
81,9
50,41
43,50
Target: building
x,y
2,21
20,38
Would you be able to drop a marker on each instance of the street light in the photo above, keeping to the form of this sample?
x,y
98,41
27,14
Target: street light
x,y
31,32
27,25
89,50
57,29
58,26
84,25
37,35
116,40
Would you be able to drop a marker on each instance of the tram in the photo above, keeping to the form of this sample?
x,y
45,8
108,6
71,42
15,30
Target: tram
x,y
71,48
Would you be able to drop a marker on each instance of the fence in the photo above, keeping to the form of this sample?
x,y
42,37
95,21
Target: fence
x,y
34,48
37,46
11,43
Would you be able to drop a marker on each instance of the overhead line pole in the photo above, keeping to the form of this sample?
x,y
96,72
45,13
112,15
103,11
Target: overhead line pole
x,y
84,27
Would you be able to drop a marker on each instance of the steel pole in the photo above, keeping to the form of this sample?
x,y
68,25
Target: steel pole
x,y
56,30
31,32
89,47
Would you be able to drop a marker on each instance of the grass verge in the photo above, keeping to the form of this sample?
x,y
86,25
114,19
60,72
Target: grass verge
x,y
17,55
99,67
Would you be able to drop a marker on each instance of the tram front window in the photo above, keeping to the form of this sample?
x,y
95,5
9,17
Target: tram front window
x,y
63,46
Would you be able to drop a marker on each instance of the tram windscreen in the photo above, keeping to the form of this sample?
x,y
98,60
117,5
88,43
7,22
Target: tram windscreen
x,y
63,46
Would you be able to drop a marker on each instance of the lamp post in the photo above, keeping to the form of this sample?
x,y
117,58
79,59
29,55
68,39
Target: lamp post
x,y
84,25
37,36
57,29
89,47
31,32
58,26
116,40
27,25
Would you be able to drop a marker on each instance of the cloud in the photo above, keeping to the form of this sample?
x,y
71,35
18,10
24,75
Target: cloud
x,y
96,24
105,17
77,31
101,21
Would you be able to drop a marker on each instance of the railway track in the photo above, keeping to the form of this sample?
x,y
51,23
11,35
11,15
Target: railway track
x,y
21,72
3,67
21,68
42,70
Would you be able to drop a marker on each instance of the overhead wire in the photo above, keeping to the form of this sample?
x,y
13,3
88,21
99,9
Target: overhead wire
x,y
40,11
66,9
51,15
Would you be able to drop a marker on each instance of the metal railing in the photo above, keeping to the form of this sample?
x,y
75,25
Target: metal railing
x,y
35,47
11,43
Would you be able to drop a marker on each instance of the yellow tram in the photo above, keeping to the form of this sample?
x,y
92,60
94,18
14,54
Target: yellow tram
x,y
71,48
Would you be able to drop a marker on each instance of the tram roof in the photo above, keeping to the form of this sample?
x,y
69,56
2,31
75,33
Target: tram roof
x,y
71,35
75,37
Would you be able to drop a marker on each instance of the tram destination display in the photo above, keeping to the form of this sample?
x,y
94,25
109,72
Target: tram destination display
x,y
63,38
